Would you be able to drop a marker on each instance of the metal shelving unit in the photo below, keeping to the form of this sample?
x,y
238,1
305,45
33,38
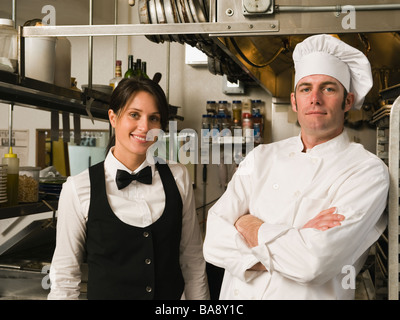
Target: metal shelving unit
x,y
393,204
37,94
387,248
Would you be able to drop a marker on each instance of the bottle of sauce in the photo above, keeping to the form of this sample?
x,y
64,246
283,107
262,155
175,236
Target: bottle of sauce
x,y
118,75
237,112
12,162
247,124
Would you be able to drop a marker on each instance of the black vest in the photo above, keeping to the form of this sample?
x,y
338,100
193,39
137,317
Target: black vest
x,y
127,262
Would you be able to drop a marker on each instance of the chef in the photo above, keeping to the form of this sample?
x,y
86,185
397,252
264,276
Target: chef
x,y
299,216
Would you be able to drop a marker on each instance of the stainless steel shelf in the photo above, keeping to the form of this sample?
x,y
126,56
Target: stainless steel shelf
x,y
33,93
28,209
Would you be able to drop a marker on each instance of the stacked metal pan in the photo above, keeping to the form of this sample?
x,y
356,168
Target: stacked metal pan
x,y
3,184
189,11
174,11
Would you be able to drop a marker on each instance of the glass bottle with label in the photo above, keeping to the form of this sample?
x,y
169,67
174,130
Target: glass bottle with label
x,y
211,107
237,112
118,75
247,124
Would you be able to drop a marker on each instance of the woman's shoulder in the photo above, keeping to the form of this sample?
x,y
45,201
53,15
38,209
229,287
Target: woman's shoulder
x,y
80,183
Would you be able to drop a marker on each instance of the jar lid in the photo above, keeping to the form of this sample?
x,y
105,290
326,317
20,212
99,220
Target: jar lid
x,y
7,22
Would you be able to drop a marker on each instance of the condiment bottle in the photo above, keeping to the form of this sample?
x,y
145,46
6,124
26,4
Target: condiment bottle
x,y
12,161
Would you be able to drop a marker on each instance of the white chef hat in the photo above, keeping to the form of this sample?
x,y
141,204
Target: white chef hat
x,y
325,54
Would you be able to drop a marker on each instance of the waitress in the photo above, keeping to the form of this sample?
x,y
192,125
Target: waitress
x,y
134,222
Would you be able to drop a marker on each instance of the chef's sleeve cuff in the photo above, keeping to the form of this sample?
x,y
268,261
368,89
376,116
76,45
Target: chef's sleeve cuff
x,y
266,234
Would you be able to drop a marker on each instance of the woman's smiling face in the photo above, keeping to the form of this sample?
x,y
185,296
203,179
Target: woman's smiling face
x,y
131,125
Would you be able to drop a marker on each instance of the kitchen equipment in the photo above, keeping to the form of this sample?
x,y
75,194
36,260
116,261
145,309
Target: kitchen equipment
x,y
40,58
8,46
62,72
99,87
174,11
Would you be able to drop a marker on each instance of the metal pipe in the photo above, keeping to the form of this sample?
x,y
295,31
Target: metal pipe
x,y
168,69
10,124
115,38
14,13
212,11
90,49
336,8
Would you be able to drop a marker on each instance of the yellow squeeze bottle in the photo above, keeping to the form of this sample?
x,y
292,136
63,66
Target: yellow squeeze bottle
x,y
12,161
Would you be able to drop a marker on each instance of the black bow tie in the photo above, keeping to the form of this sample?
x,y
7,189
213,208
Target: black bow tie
x,y
124,178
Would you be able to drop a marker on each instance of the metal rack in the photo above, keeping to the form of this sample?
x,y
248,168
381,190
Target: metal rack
x,y
33,93
393,204
387,248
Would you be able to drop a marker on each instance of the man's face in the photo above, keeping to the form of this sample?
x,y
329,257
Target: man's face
x,y
320,105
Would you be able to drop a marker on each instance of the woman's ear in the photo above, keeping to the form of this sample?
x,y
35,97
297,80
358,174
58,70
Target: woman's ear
x,y
112,117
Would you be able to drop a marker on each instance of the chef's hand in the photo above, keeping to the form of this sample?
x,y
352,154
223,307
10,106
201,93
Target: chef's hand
x,y
248,226
325,220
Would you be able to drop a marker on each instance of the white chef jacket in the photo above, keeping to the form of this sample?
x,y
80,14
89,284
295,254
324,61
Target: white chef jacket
x,y
138,205
285,188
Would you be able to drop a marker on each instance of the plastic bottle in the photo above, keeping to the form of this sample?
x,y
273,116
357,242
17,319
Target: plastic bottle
x,y
12,161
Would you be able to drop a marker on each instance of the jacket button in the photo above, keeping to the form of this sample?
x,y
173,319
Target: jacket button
x,y
147,261
149,289
145,234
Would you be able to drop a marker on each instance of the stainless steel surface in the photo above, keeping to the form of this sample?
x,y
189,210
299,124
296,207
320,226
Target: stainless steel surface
x,y
393,203
336,8
90,49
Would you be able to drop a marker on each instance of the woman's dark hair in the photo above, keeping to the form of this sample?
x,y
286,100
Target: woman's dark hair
x,y
130,86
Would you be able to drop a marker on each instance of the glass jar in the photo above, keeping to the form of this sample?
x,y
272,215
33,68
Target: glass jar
x,y
28,186
211,107
8,46
237,112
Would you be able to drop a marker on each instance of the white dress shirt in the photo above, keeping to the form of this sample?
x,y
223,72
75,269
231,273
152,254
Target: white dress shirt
x,y
285,188
139,205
